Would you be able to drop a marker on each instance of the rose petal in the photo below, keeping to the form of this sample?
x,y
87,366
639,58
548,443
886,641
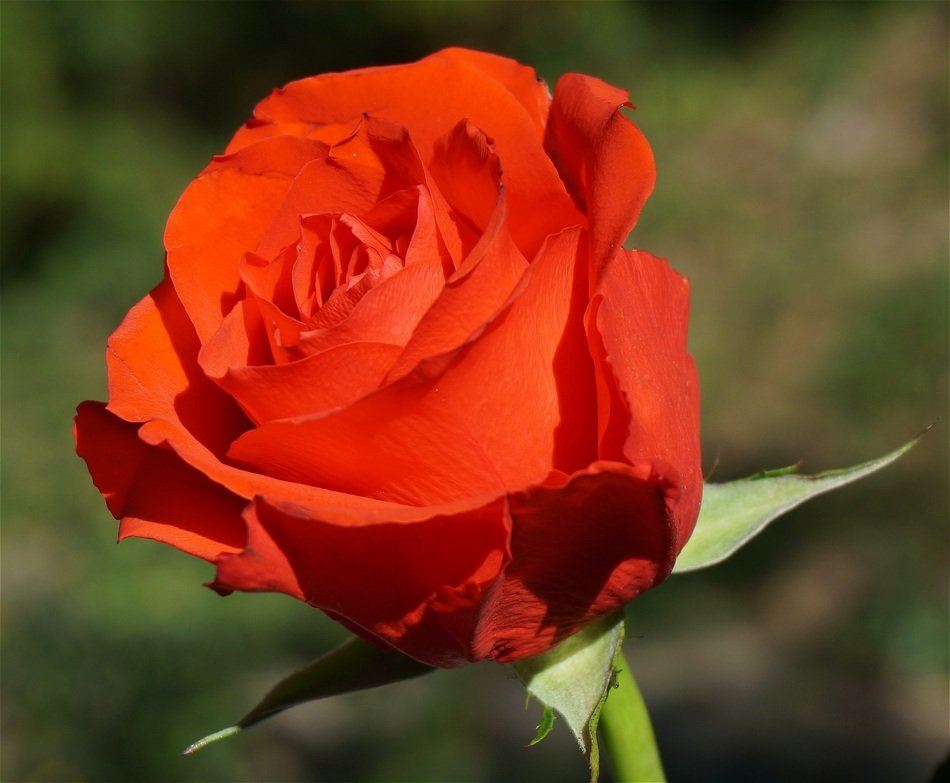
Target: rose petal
x,y
153,374
222,215
376,160
603,158
471,297
154,378
459,426
637,325
380,578
495,94
154,494
387,312
330,379
578,551
468,173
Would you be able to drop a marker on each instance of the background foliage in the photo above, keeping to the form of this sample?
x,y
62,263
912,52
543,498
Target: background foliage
x,y
802,153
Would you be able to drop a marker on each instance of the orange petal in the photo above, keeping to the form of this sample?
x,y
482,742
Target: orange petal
x,y
524,387
471,297
386,312
153,373
376,160
154,378
467,171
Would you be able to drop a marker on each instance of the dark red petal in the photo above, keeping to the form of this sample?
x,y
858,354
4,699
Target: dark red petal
x,y
384,579
602,156
578,551
153,492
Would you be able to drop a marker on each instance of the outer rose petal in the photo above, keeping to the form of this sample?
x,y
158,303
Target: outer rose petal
x,y
649,393
603,158
330,379
155,494
384,580
578,551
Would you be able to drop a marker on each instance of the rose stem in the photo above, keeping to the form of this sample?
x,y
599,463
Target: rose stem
x,y
627,732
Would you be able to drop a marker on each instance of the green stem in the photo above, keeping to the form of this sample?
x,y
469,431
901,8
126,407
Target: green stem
x,y
627,732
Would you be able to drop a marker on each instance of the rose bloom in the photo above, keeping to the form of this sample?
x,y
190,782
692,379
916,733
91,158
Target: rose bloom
x,y
401,368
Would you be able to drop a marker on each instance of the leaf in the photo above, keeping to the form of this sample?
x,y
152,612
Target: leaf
x,y
734,512
354,665
573,678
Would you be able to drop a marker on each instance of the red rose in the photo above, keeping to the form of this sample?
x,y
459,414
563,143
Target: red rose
x,y
401,368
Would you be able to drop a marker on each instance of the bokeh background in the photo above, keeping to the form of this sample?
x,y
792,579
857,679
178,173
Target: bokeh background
x,y
802,151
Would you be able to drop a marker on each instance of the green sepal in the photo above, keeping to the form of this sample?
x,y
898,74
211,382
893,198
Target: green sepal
x,y
733,513
545,724
353,666
573,679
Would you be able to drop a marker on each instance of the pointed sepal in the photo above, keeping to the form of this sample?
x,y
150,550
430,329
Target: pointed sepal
x,y
573,679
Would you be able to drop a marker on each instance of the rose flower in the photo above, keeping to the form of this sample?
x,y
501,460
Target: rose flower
x,y
401,367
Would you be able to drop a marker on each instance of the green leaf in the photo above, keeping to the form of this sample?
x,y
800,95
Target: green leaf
x,y
354,665
573,678
734,512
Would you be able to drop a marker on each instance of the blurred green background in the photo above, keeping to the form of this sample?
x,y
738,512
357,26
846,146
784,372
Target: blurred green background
x,y
802,152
